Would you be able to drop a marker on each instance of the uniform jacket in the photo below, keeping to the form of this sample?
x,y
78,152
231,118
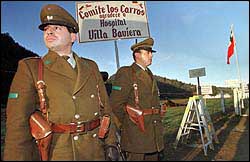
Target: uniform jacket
x,y
132,139
69,95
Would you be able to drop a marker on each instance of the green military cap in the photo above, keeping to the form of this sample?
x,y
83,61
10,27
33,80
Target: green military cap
x,y
146,44
53,14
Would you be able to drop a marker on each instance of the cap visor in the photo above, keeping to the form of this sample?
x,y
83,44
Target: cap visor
x,y
43,25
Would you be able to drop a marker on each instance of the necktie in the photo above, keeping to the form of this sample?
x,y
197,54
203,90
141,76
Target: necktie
x,y
70,61
65,57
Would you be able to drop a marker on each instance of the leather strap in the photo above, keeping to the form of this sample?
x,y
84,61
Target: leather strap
x,y
41,89
151,111
147,111
40,69
135,89
77,127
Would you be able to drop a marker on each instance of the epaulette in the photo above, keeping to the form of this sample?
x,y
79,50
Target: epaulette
x,y
124,68
86,59
35,57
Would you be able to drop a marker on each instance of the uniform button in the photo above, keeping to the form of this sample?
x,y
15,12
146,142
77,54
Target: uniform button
x,y
77,116
96,113
74,97
92,96
94,135
155,121
75,138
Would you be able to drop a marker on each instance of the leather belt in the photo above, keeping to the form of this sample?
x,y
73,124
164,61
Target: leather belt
x,y
76,127
151,111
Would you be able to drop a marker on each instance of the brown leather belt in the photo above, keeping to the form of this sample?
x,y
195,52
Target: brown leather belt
x,y
76,127
151,111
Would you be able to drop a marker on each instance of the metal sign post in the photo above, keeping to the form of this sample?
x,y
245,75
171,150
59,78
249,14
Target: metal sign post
x,y
197,73
117,55
199,87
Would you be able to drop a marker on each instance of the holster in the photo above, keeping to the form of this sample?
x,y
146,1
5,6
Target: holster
x,y
163,110
41,131
136,116
104,127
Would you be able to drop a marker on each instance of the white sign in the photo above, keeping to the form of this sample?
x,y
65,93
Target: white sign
x,y
197,73
245,87
233,83
111,20
206,89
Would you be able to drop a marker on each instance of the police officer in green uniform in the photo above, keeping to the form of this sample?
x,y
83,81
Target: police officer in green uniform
x,y
72,98
135,86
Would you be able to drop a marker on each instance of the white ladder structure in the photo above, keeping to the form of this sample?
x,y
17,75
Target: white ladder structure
x,y
196,117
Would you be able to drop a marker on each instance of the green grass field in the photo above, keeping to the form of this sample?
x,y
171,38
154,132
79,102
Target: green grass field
x,y
173,116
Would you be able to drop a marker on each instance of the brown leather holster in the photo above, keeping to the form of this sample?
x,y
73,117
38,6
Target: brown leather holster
x,y
163,110
104,127
41,131
40,127
136,116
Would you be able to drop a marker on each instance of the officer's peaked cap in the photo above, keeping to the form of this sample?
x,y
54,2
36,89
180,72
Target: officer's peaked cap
x,y
146,44
53,14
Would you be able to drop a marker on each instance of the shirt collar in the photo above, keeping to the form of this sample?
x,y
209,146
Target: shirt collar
x,y
71,55
71,60
141,67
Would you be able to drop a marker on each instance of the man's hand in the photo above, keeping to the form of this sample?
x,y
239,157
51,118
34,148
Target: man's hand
x,y
111,153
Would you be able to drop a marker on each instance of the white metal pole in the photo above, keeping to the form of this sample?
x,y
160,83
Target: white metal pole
x,y
238,67
117,55
241,102
222,101
236,101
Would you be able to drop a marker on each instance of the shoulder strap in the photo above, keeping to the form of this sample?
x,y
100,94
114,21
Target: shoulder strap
x,y
40,69
135,89
40,85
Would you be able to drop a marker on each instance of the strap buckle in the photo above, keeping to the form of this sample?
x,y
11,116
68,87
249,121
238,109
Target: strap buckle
x,y
81,127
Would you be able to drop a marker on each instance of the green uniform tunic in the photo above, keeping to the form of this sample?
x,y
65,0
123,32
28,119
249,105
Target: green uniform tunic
x,y
132,139
71,97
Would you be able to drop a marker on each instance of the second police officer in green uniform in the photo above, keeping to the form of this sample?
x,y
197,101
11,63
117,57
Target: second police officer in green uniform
x,y
136,87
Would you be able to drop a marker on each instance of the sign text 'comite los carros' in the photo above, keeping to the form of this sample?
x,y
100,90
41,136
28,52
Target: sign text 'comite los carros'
x,y
112,20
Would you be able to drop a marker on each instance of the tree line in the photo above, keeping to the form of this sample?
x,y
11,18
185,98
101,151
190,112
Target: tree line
x,y
11,53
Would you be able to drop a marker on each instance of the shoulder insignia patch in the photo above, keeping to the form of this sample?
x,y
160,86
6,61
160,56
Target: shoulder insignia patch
x,y
47,62
118,88
13,95
85,61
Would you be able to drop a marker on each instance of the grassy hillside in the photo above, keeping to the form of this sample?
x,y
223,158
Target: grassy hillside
x,y
174,89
